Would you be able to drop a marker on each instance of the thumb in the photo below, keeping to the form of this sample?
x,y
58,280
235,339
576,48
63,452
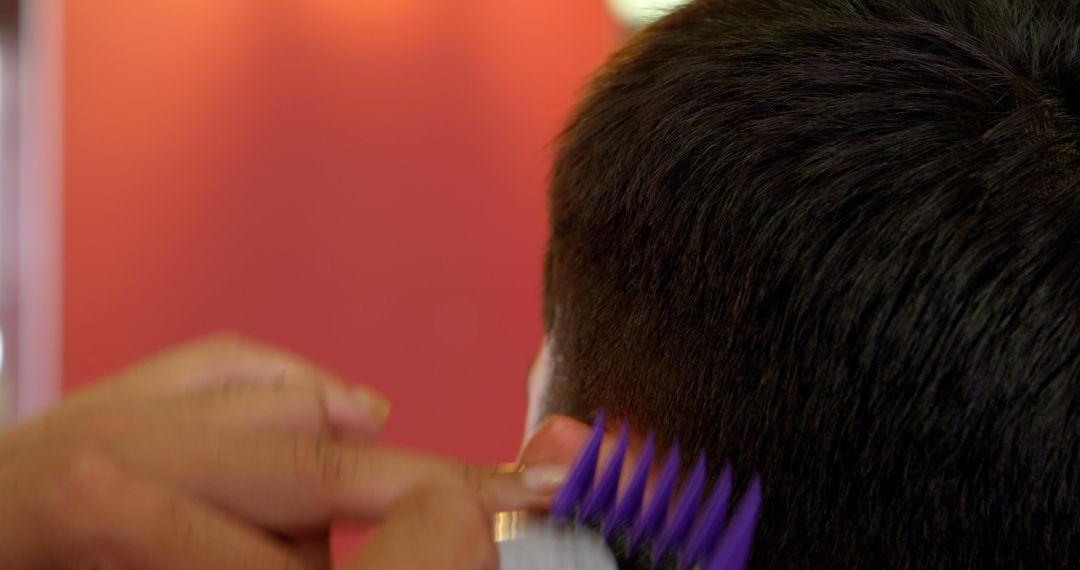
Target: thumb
x,y
436,529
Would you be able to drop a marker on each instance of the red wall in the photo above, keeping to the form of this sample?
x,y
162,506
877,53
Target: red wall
x,y
359,180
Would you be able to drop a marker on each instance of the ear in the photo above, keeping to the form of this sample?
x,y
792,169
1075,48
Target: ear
x,y
560,438
556,442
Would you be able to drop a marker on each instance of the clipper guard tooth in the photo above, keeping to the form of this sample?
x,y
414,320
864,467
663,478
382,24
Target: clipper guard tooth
x,y
673,529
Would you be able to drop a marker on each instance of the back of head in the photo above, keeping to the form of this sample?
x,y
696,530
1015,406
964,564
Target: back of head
x,y
838,242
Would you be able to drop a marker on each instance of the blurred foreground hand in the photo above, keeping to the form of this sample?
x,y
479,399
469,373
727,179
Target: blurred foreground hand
x,y
228,454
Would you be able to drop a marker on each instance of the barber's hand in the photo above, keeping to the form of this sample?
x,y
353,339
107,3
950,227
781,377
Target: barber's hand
x,y
221,454
433,529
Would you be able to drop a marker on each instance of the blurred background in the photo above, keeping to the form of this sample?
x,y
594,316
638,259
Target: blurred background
x,y
361,181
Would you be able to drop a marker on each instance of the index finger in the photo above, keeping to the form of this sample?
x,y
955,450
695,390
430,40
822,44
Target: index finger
x,y
295,484
368,481
226,367
453,529
223,360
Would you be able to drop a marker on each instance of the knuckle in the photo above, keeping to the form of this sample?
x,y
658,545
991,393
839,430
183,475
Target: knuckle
x,y
321,459
81,488
306,399
84,478
311,404
463,506
181,524
224,353
477,479
225,343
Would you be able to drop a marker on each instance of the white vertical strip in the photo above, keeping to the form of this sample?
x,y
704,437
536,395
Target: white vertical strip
x,y
6,386
540,374
37,339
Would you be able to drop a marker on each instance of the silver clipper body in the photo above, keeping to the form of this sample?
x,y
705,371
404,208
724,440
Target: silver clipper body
x,y
531,542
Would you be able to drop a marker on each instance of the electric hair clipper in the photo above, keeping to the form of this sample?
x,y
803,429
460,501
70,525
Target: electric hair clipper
x,y
591,528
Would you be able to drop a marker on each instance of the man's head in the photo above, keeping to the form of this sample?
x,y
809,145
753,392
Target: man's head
x,y
838,242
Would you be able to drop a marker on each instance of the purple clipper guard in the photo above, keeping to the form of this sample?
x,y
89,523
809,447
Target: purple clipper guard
x,y
668,532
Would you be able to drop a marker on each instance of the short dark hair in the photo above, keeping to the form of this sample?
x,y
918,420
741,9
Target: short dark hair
x,y
838,242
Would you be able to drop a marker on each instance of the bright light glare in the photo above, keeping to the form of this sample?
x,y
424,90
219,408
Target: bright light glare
x,y
637,13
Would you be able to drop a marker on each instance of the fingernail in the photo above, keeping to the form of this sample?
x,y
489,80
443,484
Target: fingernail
x,y
509,468
375,404
544,478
